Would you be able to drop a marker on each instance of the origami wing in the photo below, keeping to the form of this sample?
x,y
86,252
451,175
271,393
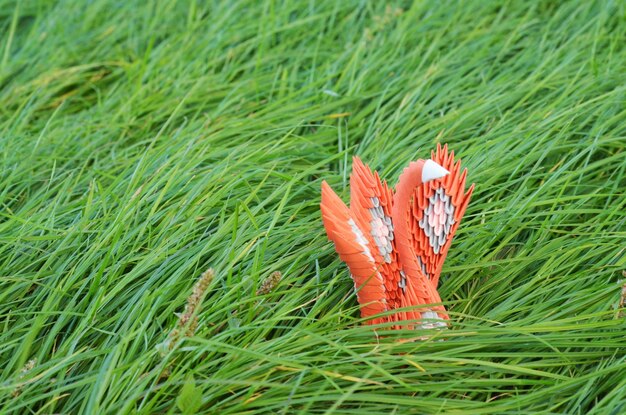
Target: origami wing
x,y
438,207
355,249
370,204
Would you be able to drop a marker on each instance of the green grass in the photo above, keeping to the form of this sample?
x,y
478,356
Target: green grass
x,y
144,142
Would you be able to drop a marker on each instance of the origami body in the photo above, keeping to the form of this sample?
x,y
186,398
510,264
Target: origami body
x,y
395,243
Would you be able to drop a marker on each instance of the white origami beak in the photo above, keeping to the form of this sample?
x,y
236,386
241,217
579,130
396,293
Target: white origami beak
x,y
432,171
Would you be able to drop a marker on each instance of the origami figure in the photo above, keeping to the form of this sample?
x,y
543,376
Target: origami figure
x,y
395,243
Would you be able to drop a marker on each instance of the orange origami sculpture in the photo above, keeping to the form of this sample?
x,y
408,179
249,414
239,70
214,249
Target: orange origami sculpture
x,y
395,243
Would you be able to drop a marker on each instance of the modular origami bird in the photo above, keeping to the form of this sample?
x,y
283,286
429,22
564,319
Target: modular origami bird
x,y
395,243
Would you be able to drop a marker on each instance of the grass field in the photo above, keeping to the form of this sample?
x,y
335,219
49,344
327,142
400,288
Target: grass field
x,y
144,142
